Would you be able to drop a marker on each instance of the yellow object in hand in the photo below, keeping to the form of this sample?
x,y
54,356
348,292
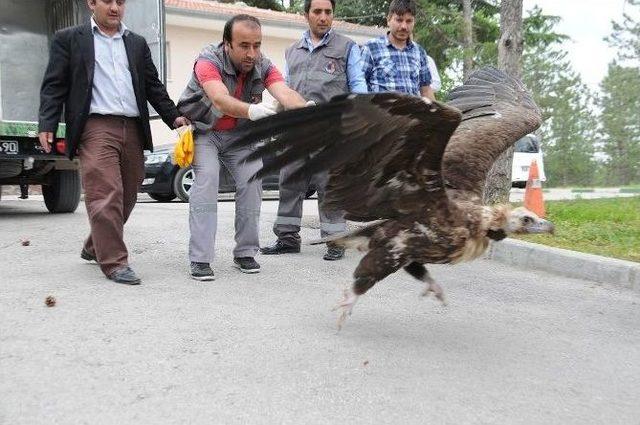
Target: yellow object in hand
x,y
184,148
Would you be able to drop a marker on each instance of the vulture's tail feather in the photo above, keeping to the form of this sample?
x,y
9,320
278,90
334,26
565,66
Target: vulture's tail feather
x,y
358,238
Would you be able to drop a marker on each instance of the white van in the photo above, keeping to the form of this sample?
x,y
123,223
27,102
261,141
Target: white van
x,y
526,150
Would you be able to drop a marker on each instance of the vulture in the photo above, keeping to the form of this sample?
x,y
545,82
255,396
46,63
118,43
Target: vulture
x,y
411,169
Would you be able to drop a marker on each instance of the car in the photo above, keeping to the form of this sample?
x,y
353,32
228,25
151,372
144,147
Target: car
x,y
164,180
526,150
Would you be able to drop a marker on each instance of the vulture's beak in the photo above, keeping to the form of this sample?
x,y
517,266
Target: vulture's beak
x,y
540,226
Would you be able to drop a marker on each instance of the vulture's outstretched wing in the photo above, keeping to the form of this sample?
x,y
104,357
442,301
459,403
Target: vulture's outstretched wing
x,y
381,150
497,110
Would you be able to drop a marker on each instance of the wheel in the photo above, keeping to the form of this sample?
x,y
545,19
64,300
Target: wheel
x,y
162,197
182,182
63,194
519,185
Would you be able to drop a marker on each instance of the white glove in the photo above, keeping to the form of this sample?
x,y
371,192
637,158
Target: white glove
x,y
260,110
275,105
310,103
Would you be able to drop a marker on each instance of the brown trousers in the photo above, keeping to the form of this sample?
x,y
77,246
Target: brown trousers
x,y
112,170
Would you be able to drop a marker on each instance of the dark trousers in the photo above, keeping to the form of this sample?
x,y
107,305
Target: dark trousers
x,y
112,170
289,219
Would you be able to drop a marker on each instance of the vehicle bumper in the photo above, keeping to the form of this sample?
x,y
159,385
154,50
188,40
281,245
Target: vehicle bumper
x,y
158,178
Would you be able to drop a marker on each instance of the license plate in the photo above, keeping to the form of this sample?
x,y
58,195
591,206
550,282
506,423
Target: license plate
x,y
9,147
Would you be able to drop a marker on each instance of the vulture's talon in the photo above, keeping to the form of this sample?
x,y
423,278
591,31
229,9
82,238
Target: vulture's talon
x,y
433,287
345,307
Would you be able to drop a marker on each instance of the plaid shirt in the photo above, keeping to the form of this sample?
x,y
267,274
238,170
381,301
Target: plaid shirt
x,y
387,68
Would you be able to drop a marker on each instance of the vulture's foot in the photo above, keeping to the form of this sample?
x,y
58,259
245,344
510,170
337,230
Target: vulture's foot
x,y
345,307
432,287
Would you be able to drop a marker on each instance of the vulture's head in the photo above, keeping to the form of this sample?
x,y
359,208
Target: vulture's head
x,y
505,220
521,220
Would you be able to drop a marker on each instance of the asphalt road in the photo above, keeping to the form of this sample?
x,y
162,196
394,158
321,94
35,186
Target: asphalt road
x,y
512,347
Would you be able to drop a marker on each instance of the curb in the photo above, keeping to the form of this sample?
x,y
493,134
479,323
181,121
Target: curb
x,y
578,265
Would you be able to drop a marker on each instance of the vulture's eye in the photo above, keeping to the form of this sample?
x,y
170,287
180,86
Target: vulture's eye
x,y
527,220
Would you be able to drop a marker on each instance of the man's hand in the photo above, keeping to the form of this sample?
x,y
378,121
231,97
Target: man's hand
x,y
46,139
181,121
260,110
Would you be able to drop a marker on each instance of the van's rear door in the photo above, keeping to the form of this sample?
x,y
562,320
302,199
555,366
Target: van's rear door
x,y
146,17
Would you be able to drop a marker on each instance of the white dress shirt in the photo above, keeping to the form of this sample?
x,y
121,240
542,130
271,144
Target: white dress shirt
x,y
112,85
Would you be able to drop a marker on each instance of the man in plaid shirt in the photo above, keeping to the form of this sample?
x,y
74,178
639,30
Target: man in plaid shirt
x,y
394,62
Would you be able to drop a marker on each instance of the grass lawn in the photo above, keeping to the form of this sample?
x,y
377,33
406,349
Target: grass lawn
x,y
609,227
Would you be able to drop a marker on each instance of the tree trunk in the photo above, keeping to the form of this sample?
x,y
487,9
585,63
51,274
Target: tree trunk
x,y
498,183
467,38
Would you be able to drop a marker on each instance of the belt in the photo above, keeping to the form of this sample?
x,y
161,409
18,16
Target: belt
x,y
120,117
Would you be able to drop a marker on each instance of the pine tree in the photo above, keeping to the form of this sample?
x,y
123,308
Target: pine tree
x,y
620,103
569,125
621,123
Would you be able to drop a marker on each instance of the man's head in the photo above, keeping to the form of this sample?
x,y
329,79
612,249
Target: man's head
x,y
401,19
242,38
107,13
319,14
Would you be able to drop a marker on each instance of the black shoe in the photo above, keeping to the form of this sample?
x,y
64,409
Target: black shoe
x,y
125,276
201,271
280,248
246,264
86,255
333,253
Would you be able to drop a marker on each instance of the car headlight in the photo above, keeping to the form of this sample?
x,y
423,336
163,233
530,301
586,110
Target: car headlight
x,y
156,158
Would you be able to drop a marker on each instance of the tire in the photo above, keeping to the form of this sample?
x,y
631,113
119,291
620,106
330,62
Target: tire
x,y
162,197
63,194
519,185
182,182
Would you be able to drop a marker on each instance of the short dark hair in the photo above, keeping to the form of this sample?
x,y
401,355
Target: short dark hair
x,y
307,5
228,27
400,7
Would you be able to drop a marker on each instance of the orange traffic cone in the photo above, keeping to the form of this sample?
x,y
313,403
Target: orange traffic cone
x,y
533,191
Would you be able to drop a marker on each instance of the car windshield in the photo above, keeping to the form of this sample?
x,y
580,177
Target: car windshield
x,y
528,144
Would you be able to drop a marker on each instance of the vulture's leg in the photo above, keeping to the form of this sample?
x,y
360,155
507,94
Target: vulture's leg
x,y
345,307
420,272
373,267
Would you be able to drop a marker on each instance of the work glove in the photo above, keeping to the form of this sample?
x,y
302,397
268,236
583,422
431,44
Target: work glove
x,y
274,104
310,103
260,110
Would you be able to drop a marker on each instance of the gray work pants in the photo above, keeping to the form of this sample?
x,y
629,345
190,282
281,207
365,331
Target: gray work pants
x,y
289,219
211,150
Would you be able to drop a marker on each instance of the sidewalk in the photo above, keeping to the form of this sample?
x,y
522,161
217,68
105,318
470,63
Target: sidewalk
x,y
557,194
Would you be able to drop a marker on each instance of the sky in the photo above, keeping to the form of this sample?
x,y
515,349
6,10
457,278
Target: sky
x,y
587,22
